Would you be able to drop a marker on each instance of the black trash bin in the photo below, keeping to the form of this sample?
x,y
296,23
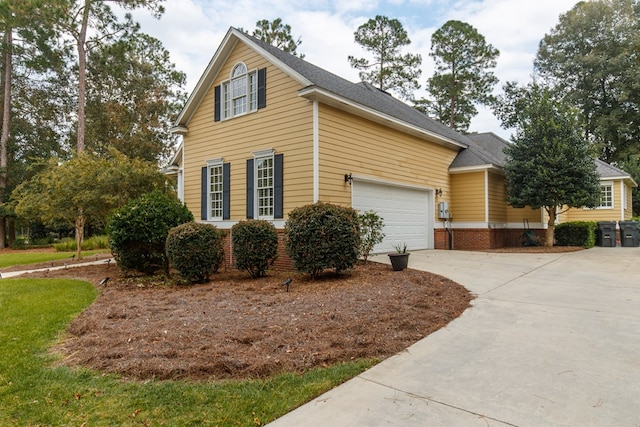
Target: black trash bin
x,y
606,234
629,233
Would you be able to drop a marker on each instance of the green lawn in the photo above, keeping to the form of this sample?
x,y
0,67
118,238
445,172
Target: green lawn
x,y
33,315
22,258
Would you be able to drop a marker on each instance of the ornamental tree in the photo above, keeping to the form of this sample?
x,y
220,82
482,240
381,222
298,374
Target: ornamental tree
x,y
549,165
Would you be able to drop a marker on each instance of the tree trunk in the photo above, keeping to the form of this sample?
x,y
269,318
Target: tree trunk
x,y
79,234
82,75
6,124
551,226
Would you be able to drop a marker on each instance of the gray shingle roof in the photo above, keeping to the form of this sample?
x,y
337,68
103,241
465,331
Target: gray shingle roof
x,y
361,93
605,170
484,149
487,149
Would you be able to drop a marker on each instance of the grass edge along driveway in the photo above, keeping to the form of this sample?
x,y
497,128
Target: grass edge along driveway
x,y
35,312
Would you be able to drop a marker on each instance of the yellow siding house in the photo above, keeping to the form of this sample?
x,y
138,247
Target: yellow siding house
x,y
265,131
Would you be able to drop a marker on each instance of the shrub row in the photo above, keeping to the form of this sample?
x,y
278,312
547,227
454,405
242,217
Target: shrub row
x,y
576,233
156,230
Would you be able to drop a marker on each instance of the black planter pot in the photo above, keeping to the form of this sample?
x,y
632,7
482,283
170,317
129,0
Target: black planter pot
x,y
399,262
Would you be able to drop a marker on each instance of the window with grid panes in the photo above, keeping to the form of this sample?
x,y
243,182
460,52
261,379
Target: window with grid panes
x,y
215,191
264,187
606,196
240,93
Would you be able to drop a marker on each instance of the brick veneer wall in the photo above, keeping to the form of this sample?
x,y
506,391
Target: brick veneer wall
x,y
482,238
282,263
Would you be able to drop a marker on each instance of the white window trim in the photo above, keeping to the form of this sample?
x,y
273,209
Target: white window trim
x,y
613,187
259,155
252,95
219,162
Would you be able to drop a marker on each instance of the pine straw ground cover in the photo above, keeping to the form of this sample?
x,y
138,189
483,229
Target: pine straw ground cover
x,y
235,327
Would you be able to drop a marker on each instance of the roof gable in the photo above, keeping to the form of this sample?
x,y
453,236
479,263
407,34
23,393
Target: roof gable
x,y
361,98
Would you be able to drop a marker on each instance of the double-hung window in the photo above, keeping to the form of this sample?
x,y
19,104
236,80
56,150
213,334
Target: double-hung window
x,y
264,186
244,92
240,92
215,190
215,200
606,196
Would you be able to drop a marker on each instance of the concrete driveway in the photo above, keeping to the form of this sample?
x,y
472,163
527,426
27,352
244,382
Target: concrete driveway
x,y
551,340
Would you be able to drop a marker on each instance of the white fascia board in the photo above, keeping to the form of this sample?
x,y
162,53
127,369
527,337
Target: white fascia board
x,y
627,178
206,80
303,81
176,159
477,168
179,130
334,100
217,61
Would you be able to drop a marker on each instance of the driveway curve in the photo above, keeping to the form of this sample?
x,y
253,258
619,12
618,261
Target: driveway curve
x,y
550,340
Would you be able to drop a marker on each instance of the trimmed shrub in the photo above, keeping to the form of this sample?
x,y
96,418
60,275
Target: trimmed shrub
x,y
576,233
138,231
371,234
255,246
196,250
321,236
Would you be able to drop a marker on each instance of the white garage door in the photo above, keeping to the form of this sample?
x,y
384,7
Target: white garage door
x,y
407,213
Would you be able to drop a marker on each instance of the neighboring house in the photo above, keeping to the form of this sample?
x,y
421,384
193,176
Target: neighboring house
x,y
265,132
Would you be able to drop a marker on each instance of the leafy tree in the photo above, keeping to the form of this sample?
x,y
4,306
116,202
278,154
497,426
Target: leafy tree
x,y
28,51
88,184
90,23
390,69
549,165
277,34
591,58
463,76
134,95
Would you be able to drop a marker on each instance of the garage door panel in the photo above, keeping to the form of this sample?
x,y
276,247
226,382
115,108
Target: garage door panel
x,y
407,213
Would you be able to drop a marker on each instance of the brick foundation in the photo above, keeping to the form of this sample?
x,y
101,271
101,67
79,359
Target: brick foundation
x,y
471,239
282,263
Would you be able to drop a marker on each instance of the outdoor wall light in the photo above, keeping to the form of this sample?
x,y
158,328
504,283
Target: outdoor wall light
x,y
348,178
439,192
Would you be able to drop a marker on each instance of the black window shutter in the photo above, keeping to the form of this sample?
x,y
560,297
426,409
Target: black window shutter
x,y
216,104
278,169
249,188
226,191
203,193
262,88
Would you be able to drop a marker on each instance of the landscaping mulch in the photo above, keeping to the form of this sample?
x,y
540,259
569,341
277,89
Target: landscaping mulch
x,y
238,327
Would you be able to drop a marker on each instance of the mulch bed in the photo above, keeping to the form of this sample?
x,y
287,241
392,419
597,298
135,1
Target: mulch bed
x,y
235,327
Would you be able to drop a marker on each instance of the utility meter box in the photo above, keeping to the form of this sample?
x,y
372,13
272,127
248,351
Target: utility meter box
x,y
443,210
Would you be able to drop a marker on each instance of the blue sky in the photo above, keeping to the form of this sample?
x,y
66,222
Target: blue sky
x,y
192,30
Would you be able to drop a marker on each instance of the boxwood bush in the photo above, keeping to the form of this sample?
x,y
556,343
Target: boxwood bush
x,y
255,246
322,236
138,231
196,250
576,233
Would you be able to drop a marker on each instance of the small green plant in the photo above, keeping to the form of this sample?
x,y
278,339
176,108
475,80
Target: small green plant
x,y
322,236
255,246
196,250
400,248
90,244
371,225
138,231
